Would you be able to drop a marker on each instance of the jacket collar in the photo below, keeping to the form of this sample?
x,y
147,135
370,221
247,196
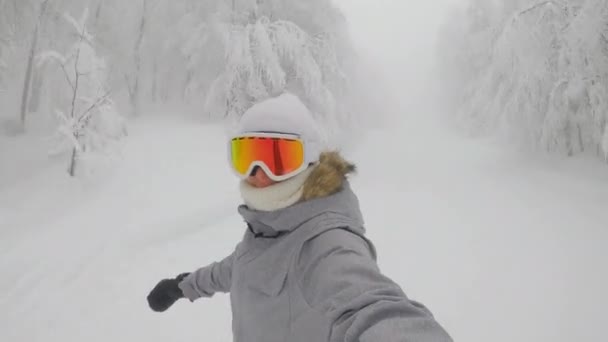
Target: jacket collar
x,y
275,223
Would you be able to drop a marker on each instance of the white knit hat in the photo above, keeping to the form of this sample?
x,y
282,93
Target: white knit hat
x,y
284,114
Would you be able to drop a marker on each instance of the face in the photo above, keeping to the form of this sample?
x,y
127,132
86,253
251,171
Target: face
x,y
259,179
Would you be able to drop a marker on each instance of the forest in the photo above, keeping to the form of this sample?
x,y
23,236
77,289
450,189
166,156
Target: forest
x,y
535,72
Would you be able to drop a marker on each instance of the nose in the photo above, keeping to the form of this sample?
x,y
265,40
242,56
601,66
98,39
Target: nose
x,y
259,179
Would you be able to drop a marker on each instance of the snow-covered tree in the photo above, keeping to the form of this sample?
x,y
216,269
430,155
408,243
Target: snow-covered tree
x,y
218,56
539,74
268,47
265,58
88,121
19,32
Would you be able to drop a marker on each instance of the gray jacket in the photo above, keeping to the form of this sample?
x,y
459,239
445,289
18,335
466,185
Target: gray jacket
x,y
307,273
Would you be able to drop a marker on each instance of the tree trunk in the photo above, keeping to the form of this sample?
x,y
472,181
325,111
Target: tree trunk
x,y
189,77
73,159
28,77
136,94
2,64
581,143
568,139
155,81
97,16
36,90
72,169
30,66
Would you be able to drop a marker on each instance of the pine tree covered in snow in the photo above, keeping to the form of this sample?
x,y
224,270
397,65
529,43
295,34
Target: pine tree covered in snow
x,y
536,71
88,121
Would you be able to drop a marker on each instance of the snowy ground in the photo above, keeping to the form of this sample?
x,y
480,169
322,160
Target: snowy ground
x,y
500,247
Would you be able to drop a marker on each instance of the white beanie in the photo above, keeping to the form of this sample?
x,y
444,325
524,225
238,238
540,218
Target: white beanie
x,y
284,114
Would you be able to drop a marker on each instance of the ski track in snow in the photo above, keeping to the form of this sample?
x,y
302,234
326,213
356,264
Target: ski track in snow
x,y
499,246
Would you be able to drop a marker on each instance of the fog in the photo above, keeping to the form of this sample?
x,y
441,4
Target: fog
x,y
397,32
400,40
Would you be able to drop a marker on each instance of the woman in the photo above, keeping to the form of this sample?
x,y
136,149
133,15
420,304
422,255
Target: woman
x,y
304,271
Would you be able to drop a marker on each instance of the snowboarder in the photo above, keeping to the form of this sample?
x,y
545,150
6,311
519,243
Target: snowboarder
x,y
304,271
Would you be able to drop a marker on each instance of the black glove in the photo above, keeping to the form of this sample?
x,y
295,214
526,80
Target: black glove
x,y
166,293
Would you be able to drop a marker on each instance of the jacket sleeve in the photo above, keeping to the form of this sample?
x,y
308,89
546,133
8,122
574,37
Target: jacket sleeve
x,y
339,277
208,280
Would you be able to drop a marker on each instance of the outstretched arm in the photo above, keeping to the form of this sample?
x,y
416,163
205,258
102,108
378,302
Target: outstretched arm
x,y
339,277
208,280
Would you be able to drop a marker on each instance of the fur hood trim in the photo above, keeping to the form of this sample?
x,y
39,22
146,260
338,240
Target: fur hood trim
x,y
327,177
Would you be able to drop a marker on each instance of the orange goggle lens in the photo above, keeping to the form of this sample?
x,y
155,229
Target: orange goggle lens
x,y
282,156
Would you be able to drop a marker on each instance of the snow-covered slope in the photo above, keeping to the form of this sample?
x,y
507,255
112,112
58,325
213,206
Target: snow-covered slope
x,y
500,247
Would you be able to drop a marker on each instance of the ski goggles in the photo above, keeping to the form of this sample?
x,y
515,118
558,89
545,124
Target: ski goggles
x,y
281,156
